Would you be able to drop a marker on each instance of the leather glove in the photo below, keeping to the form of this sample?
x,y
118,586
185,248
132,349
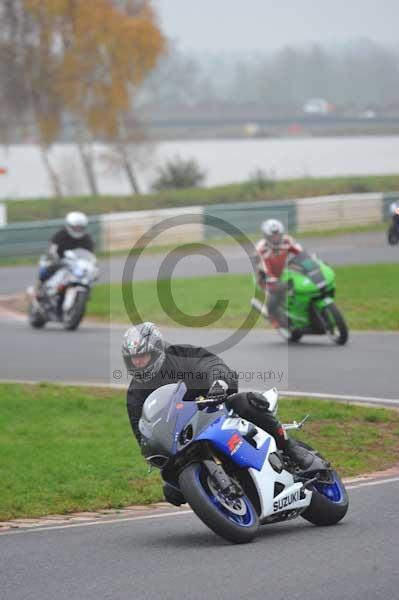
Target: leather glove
x,y
258,401
255,399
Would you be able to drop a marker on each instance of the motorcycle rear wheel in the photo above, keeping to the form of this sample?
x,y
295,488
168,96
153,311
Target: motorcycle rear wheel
x,y
236,521
329,503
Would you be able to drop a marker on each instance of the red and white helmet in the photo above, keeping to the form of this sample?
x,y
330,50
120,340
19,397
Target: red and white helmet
x,y
273,232
76,224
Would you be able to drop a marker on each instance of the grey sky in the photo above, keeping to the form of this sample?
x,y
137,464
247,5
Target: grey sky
x,y
237,25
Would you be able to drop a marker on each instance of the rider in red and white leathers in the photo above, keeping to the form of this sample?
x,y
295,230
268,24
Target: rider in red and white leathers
x,y
272,253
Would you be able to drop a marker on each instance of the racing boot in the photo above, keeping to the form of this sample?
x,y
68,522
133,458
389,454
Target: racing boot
x,y
39,289
298,454
173,495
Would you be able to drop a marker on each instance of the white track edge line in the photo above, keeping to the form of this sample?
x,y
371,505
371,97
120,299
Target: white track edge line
x,y
340,397
163,515
282,393
101,522
371,483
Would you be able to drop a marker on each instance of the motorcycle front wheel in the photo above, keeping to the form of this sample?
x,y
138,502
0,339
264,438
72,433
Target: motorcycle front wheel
x,y
234,519
336,327
76,313
36,319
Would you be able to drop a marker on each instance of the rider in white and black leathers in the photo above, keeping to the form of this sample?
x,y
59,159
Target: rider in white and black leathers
x,y
73,235
152,363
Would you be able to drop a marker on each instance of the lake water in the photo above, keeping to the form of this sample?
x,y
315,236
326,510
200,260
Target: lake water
x,y
225,161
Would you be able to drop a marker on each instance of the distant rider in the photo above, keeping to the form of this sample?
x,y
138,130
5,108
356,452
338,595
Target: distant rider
x,y
272,253
73,235
394,210
152,363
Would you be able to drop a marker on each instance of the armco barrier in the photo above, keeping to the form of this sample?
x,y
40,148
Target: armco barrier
x,y
121,231
31,239
248,216
333,212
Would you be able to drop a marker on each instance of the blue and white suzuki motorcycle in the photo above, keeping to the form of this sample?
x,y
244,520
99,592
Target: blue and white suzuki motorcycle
x,y
231,472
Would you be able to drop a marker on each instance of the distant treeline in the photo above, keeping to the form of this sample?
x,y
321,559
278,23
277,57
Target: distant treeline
x,y
359,74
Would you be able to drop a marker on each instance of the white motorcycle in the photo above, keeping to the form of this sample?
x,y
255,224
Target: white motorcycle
x,y
64,296
231,472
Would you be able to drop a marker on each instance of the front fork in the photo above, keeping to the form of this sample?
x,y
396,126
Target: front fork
x,y
320,306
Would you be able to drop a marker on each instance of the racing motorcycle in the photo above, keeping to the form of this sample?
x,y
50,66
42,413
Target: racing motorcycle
x,y
229,471
393,231
309,289
64,296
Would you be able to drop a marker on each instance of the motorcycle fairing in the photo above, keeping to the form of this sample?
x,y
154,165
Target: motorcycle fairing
x,y
293,497
233,445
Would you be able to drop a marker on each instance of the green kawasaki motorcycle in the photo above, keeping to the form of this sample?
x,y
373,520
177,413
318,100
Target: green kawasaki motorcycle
x,y
309,301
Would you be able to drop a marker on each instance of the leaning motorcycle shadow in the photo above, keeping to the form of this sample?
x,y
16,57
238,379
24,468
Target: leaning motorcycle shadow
x,y
203,538
303,344
86,328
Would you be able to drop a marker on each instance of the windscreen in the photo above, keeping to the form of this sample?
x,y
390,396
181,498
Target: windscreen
x,y
159,416
83,254
304,263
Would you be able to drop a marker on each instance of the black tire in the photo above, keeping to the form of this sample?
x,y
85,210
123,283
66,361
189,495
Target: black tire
x,y
192,482
393,237
295,336
323,511
341,337
77,312
36,320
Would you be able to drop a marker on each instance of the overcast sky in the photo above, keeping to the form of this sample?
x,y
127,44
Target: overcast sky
x,y
245,25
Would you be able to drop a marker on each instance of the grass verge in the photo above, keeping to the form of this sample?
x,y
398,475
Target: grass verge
x,y
68,449
34,210
365,295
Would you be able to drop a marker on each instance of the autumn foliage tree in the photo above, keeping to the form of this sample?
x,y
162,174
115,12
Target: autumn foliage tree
x,y
86,58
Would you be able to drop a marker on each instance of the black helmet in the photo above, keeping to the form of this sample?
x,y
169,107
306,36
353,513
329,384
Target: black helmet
x,y
139,341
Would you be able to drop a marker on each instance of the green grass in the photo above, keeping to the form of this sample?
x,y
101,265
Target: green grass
x,y
66,449
34,210
366,294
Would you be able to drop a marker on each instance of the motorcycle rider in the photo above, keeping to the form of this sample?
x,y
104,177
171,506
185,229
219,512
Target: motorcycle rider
x,y
272,253
73,235
152,363
394,210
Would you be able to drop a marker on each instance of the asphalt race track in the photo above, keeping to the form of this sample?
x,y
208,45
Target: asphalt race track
x,y
356,248
178,557
364,367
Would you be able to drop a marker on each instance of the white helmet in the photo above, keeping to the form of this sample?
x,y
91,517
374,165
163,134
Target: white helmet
x,y
76,224
394,208
273,232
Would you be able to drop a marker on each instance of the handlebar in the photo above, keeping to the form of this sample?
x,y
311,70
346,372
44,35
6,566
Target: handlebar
x,y
202,401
